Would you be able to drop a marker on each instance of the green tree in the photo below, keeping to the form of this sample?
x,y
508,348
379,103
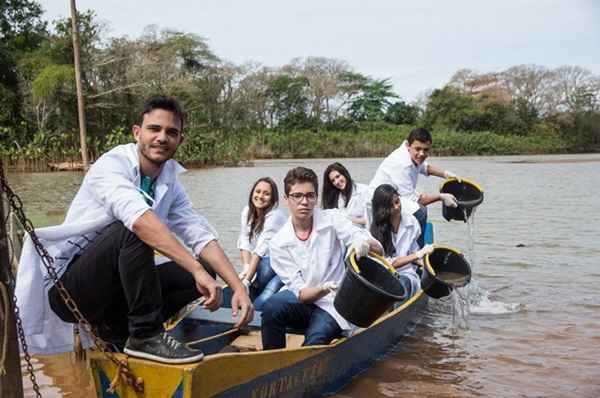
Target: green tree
x,y
371,99
448,107
401,113
288,97
21,30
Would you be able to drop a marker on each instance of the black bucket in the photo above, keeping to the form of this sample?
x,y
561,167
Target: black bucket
x,y
365,295
445,268
468,196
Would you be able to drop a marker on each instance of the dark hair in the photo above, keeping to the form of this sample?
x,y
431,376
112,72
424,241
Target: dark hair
x,y
330,192
419,134
255,218
298,175
381,227
164,103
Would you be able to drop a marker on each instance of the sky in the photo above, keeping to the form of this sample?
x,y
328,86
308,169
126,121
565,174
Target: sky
x,y
418,45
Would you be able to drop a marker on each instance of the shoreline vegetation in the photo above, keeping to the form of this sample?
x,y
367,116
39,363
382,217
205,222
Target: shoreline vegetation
x,y
310,107
242,149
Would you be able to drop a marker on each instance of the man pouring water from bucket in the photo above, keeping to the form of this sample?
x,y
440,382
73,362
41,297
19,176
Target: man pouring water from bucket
x,y
401,169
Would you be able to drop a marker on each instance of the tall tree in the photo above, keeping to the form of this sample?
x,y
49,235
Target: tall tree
x,y
21,31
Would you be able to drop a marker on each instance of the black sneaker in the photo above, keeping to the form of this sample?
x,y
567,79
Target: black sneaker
x,y
162,348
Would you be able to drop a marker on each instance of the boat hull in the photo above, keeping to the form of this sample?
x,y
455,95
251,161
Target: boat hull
x,y
298,372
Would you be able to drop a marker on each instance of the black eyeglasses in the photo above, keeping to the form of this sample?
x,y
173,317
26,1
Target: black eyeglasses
x,y
298,196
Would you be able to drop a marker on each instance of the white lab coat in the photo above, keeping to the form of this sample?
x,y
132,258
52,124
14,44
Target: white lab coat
x,y
110,191
405,243
274,220
320,260
398,170
356,205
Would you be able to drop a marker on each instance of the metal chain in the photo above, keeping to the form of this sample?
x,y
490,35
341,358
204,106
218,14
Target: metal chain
x,y
17,206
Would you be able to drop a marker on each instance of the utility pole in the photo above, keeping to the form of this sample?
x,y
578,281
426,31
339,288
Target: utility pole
x,y
80,102
11,383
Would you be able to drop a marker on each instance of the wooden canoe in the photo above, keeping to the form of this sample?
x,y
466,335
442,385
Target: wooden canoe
x,y
291,372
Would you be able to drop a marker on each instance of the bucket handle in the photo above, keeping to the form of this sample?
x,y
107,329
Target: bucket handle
x,y
379,257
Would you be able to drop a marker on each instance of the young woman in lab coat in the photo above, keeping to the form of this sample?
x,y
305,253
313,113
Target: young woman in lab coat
x,y
398,232
341,192
260,220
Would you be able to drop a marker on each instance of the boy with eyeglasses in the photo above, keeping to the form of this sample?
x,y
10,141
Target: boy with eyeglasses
x,y
308,255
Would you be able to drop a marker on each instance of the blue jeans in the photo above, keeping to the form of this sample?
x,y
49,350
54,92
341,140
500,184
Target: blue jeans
x,y
284,310
421,216
266,284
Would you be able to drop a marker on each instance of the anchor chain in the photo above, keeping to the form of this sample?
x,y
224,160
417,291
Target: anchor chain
x,y
16,204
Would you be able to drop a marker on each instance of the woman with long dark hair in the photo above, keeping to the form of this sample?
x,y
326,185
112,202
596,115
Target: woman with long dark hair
x,y
341,192
398,233
259,222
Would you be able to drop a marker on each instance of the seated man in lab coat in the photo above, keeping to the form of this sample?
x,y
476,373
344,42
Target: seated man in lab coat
x,y
130,204
308,254
401,170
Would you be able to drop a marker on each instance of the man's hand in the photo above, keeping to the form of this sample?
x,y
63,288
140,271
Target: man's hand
x,y
375,246
361,246
448,199
448,174
240,301
209,288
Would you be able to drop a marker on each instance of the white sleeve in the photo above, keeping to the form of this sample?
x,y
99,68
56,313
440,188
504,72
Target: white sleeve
x,y
345,230
356,207
112,184
193,229
273,223
288,271
243,242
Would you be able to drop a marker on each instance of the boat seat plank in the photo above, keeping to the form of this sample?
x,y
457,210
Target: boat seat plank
x,y
222,315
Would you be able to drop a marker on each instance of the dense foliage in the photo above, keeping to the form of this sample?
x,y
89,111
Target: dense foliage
x,y
310,107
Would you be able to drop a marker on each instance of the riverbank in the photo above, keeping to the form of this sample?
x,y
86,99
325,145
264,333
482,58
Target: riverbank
x,y
240,148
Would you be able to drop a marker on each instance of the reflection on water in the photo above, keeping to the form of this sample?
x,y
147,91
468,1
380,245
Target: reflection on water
x,y
532,327
59,376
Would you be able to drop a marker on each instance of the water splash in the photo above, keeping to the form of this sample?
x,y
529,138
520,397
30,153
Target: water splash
x,y
481,304
460,309
460,298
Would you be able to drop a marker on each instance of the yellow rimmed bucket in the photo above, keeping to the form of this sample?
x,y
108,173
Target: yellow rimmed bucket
x,y
368,289
468,196
445,269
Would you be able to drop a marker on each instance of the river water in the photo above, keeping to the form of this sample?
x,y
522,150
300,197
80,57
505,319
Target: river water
x,y
532,327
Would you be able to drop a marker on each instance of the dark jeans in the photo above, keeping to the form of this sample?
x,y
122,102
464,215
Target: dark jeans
x,y
118,288
266,284
421,216
284,310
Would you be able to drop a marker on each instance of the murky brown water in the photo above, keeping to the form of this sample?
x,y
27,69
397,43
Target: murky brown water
x,y
533,328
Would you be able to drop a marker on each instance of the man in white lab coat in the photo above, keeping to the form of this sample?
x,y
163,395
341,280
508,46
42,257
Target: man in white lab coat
x,y
308,255
401,170
130,204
